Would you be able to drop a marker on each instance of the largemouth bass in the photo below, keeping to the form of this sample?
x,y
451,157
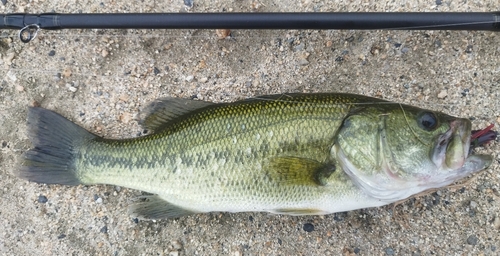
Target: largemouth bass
x,y
293,154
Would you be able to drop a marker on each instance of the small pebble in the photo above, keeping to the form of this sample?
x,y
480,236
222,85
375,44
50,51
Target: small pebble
x,y
469,49
125,118
303,62
472,240
189,78
124,97
389,251
71,88
299,47
66,72
42,199
189,3
8,58
156,71
52,53
61,236
473,204
19,88
496,222
176,245
465,92
438,43
375,50
442,94
256,5
104,53
439,2
339,216
223,33
308,227
472,213
104,229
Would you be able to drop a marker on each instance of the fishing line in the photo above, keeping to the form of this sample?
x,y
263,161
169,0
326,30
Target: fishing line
x,y
191,23
211,36
83,78
411,127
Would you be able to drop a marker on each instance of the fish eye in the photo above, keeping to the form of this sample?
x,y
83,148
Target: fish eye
x,y
427,121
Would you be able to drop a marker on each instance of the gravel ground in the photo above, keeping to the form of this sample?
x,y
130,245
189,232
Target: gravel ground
x,y
102,79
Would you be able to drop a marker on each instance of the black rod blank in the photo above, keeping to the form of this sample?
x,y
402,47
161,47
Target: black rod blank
x,y
342,20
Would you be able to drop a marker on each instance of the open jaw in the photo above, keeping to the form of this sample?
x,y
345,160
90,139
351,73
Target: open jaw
x,y
448,162
456,161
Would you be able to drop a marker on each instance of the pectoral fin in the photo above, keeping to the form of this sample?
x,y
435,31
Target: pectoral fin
x,y
296,170
153,207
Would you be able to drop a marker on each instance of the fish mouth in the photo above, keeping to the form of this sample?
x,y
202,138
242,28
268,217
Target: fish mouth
x,y
452,147
451,156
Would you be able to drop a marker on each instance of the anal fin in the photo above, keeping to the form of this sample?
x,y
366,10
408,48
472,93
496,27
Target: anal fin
x,y
153,207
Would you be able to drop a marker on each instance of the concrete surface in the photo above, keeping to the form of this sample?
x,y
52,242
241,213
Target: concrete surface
x,y
101,79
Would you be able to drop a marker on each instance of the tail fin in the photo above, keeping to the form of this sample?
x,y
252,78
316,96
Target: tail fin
x,y
56,141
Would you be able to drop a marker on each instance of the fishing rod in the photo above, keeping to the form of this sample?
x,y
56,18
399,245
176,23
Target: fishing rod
x,y
30,24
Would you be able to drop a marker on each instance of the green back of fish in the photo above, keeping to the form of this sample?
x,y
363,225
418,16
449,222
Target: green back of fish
x,y
230,156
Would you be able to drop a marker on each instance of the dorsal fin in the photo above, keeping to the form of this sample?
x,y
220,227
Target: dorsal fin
x,y
161,111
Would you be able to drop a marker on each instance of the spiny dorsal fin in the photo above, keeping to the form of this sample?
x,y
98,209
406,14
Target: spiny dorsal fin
x,y
297,170
153,207
155,116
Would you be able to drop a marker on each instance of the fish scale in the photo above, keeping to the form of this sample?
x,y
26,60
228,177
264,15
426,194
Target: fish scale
x,y
272,153
188,147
